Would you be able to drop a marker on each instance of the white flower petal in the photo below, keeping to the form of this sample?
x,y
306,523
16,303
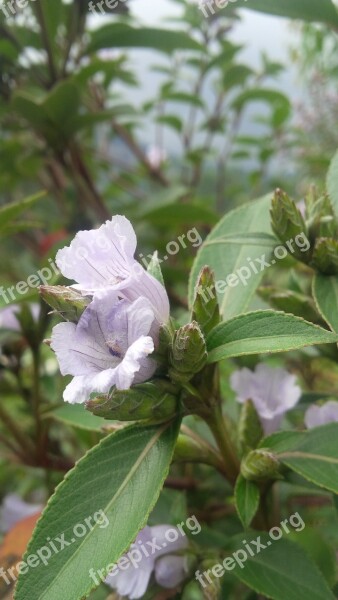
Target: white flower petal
x,y
163,534
81,387
14,509
273,391
321,415
170,571
131,364
100,257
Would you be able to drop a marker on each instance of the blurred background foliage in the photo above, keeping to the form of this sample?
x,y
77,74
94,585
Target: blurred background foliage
x,y
73,154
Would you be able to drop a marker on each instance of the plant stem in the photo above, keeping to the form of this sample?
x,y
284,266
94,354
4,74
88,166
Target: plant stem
x,y
24,442
218,426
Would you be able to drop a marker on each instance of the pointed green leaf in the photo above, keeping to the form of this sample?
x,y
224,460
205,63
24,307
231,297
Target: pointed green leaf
x,y
281,570
118,35
325,292
306,10
122,477
244,233
313,454
247,500
264,331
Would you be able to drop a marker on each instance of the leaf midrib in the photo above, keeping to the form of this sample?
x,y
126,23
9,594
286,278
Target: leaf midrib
x,y
137,463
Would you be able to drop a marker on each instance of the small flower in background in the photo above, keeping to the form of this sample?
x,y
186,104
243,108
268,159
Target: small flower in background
x,y
14,509
8,316
272,390
103,259
321,415
169,569
156,156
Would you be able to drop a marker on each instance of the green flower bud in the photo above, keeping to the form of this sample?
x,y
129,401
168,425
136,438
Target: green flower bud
x,y
152,401
211,589
325,256
321,220
188,354
260,465
287,222
250,430
66,301
205,308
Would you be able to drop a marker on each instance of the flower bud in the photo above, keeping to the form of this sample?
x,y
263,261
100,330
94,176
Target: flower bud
x,y
205,308
188,354
260,465
250,430
66,301
287,222
321,219
154,400
325,256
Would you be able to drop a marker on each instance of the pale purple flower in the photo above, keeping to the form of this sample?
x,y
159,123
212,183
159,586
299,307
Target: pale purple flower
x,y
109,346
14,509
103,259
156,156
156,554
321,415
273,391
8,316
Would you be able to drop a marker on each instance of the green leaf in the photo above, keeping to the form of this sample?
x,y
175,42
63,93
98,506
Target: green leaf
x,y
174,214
118,35
9,212
319,550
154,268
306,10
275,99
264,331
325,293
332,182
227,249
247,500
312,454
122,477
76,416
281,570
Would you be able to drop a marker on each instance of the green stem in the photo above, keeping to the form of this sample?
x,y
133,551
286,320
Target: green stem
x,y
218,426
24,442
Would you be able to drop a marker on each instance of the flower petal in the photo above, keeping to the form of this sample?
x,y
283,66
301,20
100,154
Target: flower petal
x,y
163,534
100,257
81,387
170,571
132,362
321,415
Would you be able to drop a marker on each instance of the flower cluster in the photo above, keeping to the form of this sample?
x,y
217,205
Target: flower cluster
x,y
118,330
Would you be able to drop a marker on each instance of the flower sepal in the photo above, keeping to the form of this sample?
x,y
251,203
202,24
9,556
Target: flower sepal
x,y
205,309
188,354
250,430
154,401
287,222
65,301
